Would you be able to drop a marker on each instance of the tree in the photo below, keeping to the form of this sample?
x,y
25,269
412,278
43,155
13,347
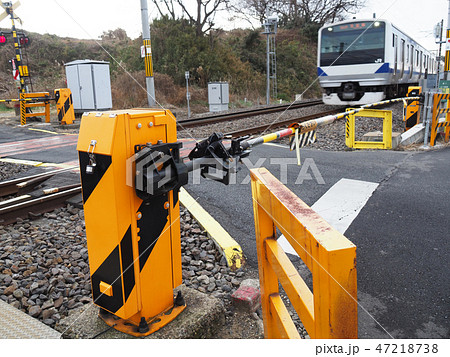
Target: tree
x,y
117,34
299,13
202,15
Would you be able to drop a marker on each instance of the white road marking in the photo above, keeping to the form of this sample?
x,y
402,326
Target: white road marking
x,y
339,206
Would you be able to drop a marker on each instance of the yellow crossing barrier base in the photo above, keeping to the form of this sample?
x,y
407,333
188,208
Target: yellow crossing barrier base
x,y
386,115
331,312
231,250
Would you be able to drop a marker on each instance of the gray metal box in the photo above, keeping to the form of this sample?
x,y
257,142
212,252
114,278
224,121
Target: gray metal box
x,y
90,84
218,96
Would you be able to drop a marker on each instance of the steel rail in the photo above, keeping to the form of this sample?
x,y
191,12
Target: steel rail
x,y
17,185
190,123
36,206
260,128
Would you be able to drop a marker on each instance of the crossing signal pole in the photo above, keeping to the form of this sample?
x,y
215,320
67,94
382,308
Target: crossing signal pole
x,y
19,41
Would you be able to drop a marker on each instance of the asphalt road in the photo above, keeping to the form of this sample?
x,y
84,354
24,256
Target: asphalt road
x,y
401,234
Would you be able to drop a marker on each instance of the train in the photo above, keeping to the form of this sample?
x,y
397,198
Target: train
x,y
366,61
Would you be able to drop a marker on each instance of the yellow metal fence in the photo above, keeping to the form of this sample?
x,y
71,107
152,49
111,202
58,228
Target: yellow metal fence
x,y
41,99
331,312
385,115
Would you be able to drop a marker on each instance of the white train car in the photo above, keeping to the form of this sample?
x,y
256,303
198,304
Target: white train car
x,y
366,61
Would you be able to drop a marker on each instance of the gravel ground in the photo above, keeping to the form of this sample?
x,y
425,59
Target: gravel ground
x,y
225,127
10,171
44,268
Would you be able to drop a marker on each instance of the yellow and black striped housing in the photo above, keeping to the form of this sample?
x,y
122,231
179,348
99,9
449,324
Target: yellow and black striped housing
x,y
134,246
64,106
412,111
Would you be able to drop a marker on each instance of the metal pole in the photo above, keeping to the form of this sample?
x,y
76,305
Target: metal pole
x,y
188,95
268,70
148,54
447,47
440,54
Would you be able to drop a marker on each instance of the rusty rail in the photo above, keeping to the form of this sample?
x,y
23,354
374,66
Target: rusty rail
x,y
26,184
36,206
190,123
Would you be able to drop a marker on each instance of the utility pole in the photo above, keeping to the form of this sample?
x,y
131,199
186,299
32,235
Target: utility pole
x,y
447,47
148,55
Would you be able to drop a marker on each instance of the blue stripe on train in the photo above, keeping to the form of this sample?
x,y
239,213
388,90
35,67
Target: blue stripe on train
x,y
384,68
321,73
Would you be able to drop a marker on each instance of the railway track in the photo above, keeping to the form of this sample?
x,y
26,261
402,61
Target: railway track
x,y
41,201
264,127
213,119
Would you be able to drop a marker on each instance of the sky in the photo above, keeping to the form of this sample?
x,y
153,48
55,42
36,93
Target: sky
x,y
89,18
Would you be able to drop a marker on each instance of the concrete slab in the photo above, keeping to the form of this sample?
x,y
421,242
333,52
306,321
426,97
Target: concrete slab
x,y
414,135
17,324
203,316
378,136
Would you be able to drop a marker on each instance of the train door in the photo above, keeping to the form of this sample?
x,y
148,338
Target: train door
x,y
411,66
395,55
402,59
420,58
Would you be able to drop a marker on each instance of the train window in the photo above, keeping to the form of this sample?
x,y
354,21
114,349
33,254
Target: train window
x,y
393,40
403,50
407,53
357,43
395,54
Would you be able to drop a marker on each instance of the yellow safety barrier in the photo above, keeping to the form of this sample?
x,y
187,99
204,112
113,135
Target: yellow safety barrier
x,y
437,112
43,101
331,312
386,115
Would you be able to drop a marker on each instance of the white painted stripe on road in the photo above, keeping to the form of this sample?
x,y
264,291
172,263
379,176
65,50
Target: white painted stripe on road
x,y
339,206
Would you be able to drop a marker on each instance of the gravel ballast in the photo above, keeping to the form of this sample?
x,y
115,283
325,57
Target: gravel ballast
x,y
44,266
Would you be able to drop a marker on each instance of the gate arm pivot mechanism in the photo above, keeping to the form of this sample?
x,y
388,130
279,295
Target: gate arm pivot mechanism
x,y
212,153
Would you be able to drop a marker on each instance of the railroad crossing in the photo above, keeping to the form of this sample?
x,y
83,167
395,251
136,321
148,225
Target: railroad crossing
x,y
385,245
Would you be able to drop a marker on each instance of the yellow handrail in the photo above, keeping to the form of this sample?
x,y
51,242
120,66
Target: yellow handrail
x,y
331,312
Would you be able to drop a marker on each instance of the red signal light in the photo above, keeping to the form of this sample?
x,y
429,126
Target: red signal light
x,y
2,39
23,40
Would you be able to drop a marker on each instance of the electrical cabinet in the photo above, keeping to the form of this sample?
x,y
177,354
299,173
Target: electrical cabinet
x,y
218,96
90,84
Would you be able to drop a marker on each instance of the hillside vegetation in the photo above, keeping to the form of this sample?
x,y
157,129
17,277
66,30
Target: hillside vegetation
x,y
238,57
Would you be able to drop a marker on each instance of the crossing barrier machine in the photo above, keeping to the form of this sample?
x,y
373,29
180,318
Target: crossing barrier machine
x,y
131,172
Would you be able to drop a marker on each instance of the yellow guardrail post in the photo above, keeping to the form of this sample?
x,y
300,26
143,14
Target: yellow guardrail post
x,y
386,115
23,109
331,312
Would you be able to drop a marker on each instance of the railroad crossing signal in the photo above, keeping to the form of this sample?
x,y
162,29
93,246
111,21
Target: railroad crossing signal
x,y
20,40
9,8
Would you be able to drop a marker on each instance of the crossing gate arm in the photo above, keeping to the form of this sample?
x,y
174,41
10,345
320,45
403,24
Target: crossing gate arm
x,y
331,312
